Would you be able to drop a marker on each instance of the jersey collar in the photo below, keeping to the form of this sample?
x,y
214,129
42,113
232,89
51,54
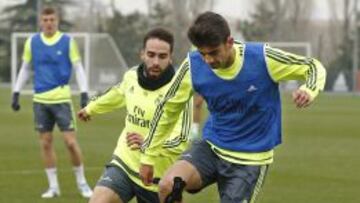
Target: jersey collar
x,y
151,84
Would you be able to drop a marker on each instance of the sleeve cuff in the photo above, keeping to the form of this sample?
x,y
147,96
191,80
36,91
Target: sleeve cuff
x,y
312,93
88,110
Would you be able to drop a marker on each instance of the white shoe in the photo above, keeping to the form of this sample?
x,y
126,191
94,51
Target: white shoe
x,y
51,193
85,190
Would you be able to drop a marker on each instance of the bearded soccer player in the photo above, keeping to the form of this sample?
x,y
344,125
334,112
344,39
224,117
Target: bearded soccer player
x,y
53,55
140,91
239,82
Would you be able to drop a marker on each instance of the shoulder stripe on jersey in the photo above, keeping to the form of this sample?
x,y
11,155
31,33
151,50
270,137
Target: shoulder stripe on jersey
x,y
311,81
97,96
292,60
159,109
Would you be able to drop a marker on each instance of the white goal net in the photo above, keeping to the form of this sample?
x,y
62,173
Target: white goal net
x,y
103,62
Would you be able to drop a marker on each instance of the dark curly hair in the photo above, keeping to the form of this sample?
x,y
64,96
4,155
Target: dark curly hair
x,y
209,29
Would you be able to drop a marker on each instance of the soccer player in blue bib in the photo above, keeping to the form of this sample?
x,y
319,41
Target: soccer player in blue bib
x,y
53,55
239,82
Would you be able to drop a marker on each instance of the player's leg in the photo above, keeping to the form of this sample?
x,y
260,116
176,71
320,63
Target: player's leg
x,y
183,169
114,186
240,183
73,148
44,124
47,149
49,158
143,196
197,169
65,119
76,159
104,195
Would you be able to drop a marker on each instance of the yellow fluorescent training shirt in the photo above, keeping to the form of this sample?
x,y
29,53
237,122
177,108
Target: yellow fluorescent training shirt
x,y
140,107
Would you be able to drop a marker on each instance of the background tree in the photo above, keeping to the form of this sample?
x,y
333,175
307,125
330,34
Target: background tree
x,y
128,31
23,17
181,20
341,33
277,20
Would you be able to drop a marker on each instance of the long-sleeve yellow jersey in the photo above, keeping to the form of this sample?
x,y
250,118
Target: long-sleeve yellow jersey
x,y
140,107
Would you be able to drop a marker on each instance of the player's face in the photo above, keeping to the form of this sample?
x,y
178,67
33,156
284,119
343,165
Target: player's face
x,y
156,56
220,56
49,24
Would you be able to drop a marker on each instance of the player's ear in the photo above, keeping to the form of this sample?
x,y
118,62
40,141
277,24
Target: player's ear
x,y
230,41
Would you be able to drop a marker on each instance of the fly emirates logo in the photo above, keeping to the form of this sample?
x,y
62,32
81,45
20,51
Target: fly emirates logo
x,y
136,117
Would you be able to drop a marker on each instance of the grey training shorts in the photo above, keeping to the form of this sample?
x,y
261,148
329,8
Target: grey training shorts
x,y
117,180
236,183
46,115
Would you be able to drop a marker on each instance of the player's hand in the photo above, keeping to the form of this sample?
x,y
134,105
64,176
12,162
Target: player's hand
x,y
84,98
301,98
146,174
15,101
83,116
134,140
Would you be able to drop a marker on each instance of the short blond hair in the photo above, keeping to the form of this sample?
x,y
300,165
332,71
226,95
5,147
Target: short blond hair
x,y
49,11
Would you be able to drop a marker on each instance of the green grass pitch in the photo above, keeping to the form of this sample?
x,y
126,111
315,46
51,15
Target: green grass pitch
x,y
318,162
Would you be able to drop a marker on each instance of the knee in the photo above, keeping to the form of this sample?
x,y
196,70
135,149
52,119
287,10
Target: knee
x,y
165,186
46,144
102,194
71,144
96,198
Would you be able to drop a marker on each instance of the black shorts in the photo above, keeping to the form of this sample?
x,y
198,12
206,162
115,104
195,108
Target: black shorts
x,y
46,115
117,180
236,182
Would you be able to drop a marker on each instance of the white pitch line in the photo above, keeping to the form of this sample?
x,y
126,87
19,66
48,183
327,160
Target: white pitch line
x,y
31,172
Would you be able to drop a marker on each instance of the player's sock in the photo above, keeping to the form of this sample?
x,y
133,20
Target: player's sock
x,y
79,174
83,187
51,174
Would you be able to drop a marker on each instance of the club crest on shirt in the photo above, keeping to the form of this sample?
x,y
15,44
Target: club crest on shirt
x,y
131,89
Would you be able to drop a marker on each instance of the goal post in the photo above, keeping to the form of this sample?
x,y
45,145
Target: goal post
x,y
102,60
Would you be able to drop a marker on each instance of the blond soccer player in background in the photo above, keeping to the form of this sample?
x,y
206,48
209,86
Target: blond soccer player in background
x,y
53,55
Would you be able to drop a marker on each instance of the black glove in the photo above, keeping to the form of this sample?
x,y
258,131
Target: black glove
x,y
84,98
15,101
